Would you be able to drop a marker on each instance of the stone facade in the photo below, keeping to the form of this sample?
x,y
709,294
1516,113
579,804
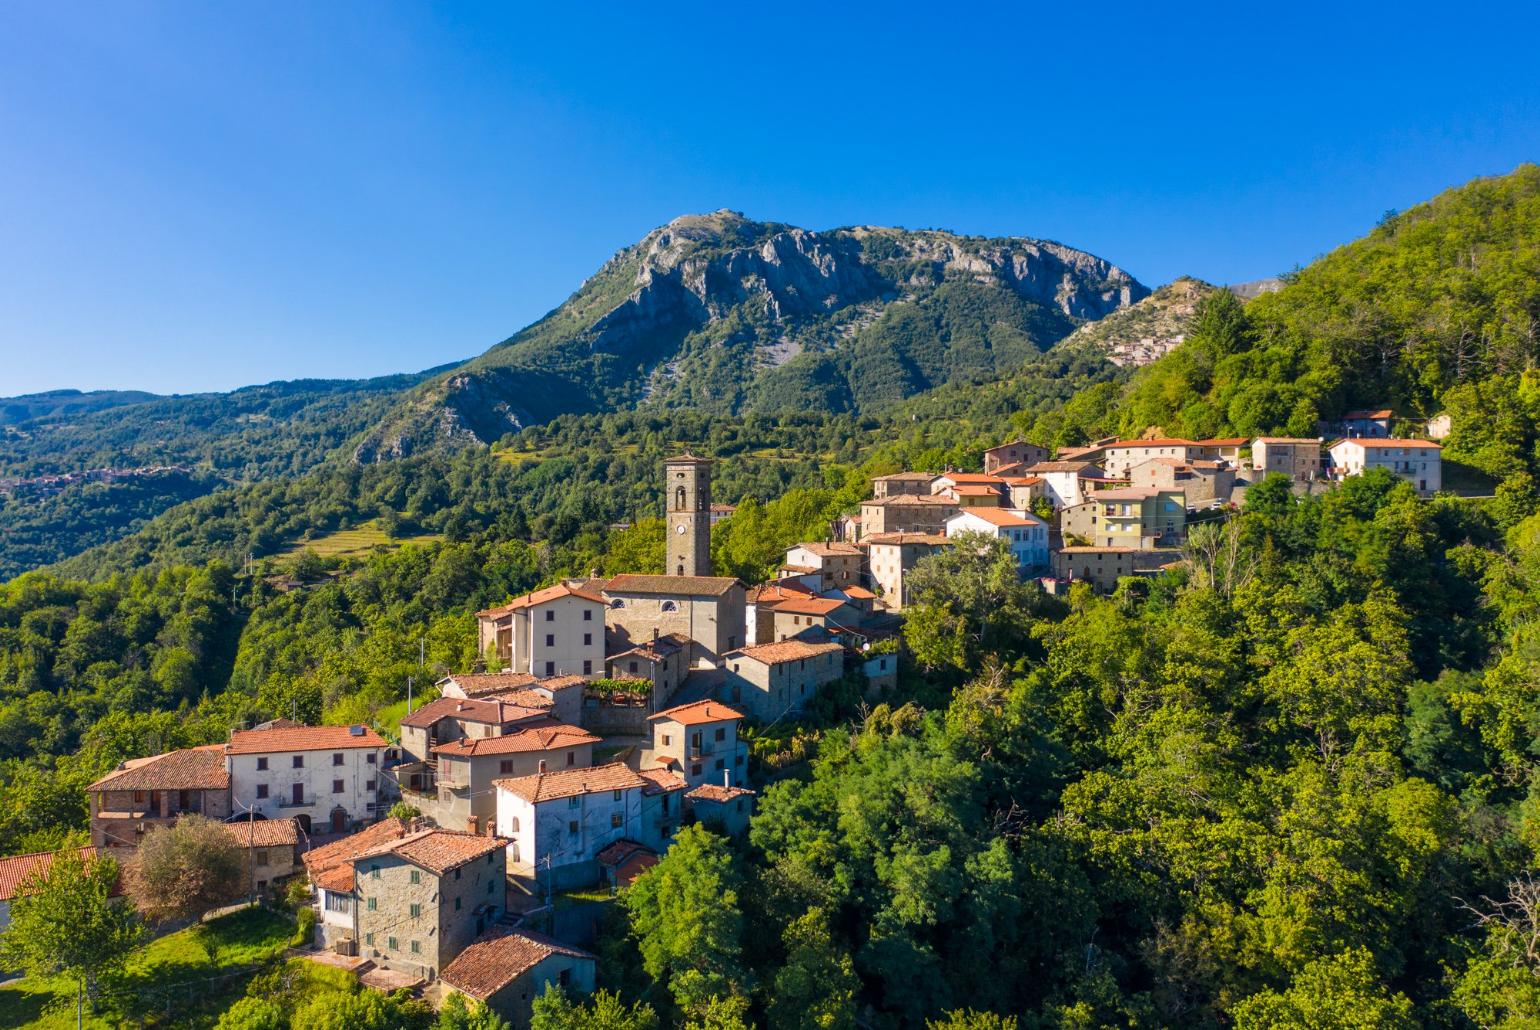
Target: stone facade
x,y
700,742
707,610
688,501
770,680
1299,458
1017,452
892,556
415,919
905,514
558,631
1103,566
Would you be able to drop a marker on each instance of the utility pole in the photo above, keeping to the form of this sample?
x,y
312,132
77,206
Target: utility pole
x,y
422,652
409,695
251,843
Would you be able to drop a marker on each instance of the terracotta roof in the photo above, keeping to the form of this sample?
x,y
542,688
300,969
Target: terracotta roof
x,y
437,851
1289,439
1060,466
800,570
998,517
827,549
1154,442
968,490
771,593
701,586
859,593
303,738
1360,413
904,477
1373,444
809,605
531,700
1099,550
661,781
932,539
476,684
718,793
264,833
539,597
194,768
909,500
1018,442
729,508
687,458
1225,441
571,782
785,651
487,711
614,854
15,870
666,646
538,737
697,713
498,958
329,866
1023,480
1131,493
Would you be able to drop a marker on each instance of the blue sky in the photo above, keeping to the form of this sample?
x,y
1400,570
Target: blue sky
x,y
204,196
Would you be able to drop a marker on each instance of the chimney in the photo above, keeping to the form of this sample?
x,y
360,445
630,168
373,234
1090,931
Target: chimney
x,y
542,767
727,777
654,634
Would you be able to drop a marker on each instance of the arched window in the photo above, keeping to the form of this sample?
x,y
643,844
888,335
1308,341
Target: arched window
x,y
671,606
617,603
681,569
679,499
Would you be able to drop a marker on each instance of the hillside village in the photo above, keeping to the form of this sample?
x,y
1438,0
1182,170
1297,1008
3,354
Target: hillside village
x,y
609,712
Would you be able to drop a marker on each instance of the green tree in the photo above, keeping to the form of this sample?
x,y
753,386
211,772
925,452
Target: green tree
x,y
968,601
64,922
685,916
459,1014
554,1010
1343,990
816,989
187,868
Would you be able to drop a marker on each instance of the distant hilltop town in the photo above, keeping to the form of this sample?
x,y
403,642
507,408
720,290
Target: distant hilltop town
x,y
58,481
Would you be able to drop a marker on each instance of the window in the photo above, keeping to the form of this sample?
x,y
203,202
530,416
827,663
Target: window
x,y
261,858
572,827
617,603
588,667
695,769
369,785
564,977
416,910
416,948
721,764
617,795
667,740
513,825
457,904
670,606
371,757
721,733
336,786
262,764
572,758
574,801
588,639
299,761
550,668
336,758
374,872
738,759
588,615
457,874
370,906
392,943
615,821
490,885
416,876
369,939
261,790
550,640
515,858
550,615
336,902
505,766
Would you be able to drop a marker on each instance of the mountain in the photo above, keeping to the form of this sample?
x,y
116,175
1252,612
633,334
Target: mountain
x,y
65,403
1256,287
1146,331
721,313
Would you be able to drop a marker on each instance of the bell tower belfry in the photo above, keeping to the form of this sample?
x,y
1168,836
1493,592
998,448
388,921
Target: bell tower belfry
x,y
687,499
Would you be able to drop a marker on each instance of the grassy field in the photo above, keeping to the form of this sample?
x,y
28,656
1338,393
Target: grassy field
x,y
355,543
389,718
182,979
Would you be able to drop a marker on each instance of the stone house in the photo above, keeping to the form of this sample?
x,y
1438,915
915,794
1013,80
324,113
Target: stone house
x,y
556,824
1200,481
973,495
1419,462
900,483
1026,534
447,719
423,898
560,696
801,614
769,680
330,870
838,564
724,809
270,849
1017,452
1439,426
1022,491
324,776
1102,567
1360,422
550,632
507,969
905,513
707,610
662,662
1226,449
760,607
1299,458
16,870
700,743
891,556
143,793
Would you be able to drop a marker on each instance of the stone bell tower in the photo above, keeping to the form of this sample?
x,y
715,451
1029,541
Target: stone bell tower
x,y
687,498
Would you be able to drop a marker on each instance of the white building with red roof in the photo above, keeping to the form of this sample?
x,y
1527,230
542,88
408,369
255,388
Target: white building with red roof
x,y
700,742
507,969
1419,462
326,777
558,631
1026,534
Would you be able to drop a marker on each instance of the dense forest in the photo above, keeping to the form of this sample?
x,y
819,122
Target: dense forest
x,y
1291,782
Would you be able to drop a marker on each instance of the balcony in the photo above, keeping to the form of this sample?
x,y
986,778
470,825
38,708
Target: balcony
x,y
291,803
